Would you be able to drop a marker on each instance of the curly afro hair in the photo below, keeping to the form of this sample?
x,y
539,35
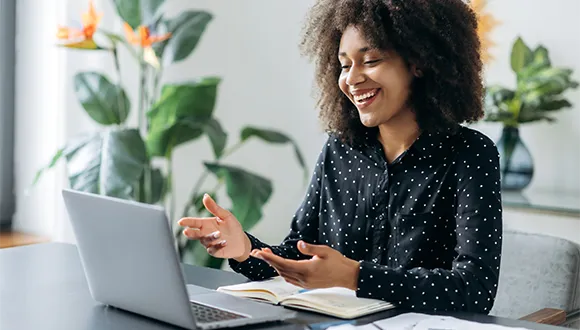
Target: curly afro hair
x,y
439,37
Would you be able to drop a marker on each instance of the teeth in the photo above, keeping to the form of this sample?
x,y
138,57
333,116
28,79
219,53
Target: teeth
x,y
362,97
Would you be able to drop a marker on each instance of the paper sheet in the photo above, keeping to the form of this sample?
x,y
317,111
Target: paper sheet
x,y
417,321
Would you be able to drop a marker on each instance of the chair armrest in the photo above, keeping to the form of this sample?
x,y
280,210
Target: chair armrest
x,y
547,316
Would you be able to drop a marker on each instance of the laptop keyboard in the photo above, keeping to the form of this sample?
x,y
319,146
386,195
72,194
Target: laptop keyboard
x,y
207,314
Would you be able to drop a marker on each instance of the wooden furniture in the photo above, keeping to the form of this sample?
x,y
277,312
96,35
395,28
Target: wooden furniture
x,y
11,239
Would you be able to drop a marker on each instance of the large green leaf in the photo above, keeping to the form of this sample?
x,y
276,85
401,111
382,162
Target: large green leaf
x,y
138,12
249,192
180,115
186,31
152,187
104,102
521,55
272,136
214,131
109,163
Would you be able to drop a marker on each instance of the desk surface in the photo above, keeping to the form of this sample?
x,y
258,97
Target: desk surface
x,y
43,286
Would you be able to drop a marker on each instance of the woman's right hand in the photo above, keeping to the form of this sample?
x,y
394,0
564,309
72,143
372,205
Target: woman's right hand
x,y
222,235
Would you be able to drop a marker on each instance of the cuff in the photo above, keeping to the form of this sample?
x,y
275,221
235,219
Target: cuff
x,y
378,282
248,263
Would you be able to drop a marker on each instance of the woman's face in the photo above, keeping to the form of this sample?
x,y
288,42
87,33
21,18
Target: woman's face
x,y
377,82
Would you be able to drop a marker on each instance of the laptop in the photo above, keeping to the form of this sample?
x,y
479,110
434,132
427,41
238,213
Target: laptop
x,y
129,258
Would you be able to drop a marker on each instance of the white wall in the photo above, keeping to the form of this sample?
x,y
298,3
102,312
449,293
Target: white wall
x,y
252,44
554,147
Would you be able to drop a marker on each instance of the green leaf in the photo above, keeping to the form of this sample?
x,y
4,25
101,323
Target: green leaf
x,y
138,12
213,129
105,102
249,192
186,31
555,104
155,191
180,115
272,136
109,163
533,116
521,55
498,96
217,136
541,57
70,148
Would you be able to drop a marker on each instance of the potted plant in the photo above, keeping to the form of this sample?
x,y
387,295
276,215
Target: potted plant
x,y
537,94
135,162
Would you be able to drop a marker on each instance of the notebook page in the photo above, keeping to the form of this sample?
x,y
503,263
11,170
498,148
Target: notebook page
x,y
277,286
337,299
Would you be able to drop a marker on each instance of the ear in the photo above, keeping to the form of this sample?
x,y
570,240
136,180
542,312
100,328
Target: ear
x,y
417,72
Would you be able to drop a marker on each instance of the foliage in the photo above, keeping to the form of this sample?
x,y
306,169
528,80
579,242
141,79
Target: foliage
x,y
121,161
538,92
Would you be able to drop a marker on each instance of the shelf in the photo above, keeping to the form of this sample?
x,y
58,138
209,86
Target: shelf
x,y
561,203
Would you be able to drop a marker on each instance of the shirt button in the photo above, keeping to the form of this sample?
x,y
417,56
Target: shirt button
x,y
381,216
375,260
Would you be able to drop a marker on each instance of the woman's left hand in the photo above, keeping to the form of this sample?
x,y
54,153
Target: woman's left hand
x,y
327,267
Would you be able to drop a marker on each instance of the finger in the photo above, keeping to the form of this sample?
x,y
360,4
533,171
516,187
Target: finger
x,y
291,279
210,239
196,222
313,250
192,233
283,264
215,209
215,249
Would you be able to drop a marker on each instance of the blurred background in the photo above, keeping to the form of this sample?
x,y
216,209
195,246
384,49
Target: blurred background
x,y
233,73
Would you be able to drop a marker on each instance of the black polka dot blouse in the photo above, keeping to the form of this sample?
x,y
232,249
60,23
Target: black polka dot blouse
x,y
426,228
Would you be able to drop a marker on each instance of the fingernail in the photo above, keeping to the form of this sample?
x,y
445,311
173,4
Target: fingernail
x,y
223,243
302,245
215,234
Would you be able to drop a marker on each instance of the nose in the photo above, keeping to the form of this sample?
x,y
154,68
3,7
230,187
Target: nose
x,y
355,76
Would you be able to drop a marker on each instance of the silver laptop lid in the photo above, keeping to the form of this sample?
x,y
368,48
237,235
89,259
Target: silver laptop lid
x,y
127,251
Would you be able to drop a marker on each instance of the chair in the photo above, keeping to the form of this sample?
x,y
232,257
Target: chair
x,y
539,279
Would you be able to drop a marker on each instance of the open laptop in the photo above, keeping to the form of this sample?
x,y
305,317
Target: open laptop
x,y
130,262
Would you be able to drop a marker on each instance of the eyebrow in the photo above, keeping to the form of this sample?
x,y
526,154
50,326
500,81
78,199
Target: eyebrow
x,y
362,50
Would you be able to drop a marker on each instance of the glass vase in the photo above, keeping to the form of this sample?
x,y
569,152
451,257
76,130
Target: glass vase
x,y
516,163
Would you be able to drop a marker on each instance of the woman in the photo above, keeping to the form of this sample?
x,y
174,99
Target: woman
x,y
404,204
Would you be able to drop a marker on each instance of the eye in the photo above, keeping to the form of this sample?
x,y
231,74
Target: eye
x,y
344,67
372,62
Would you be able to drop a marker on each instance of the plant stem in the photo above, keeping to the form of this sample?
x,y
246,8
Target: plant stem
x,y
142,94
170,191
231,150
122,111
197,187
156,84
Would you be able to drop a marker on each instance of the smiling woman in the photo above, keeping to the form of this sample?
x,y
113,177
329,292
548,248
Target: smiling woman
x,y
404,203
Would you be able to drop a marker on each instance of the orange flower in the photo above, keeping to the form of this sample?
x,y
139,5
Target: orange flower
x,y
82,38
143,36
486,23
144,39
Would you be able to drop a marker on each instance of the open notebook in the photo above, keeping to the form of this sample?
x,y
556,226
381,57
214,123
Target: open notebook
x,y
338,302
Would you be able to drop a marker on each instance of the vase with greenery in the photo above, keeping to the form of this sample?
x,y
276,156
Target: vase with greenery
x,y
135,162
538,93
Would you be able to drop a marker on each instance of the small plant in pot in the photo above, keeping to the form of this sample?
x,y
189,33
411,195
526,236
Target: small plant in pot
x,y
538,94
